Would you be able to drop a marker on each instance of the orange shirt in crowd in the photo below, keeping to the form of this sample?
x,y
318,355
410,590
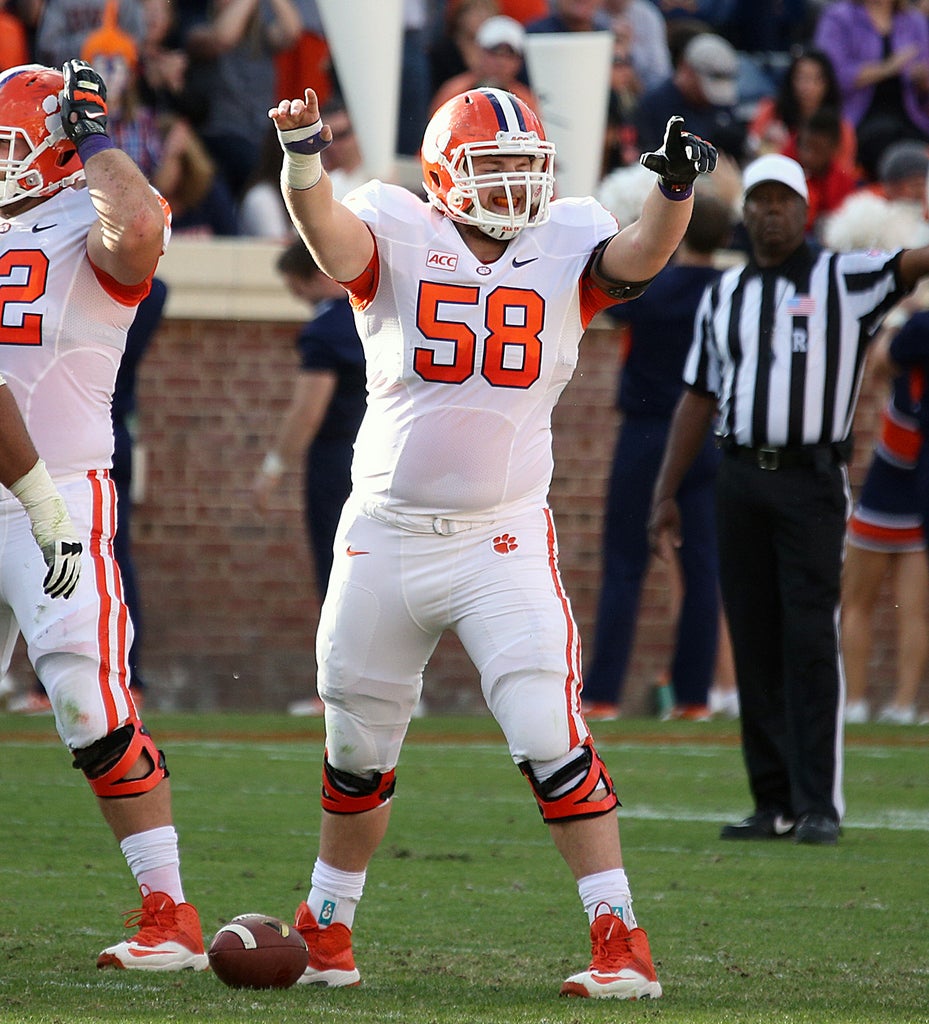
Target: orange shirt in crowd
x,y
522,11
14,49
827,193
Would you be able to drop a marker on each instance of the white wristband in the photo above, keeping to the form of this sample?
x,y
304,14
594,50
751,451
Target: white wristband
x,y
44,505
301,170
273,464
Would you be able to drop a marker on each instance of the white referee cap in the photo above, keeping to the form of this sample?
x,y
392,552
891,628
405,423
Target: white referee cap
x,y
774,167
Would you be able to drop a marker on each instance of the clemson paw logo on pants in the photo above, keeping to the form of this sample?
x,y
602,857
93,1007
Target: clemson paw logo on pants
x,y
504,544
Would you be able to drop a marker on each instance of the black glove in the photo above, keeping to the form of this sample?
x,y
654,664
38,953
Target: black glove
x,y
681,158
83,102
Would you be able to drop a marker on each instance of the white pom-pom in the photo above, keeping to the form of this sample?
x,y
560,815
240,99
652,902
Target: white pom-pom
x,y
868,221
623,192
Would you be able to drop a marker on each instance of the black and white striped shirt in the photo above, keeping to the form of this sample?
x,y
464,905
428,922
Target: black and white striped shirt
x,y
783,348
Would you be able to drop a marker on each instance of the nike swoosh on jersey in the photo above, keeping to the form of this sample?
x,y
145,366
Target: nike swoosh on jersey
x,y
351,552
42,227
522,263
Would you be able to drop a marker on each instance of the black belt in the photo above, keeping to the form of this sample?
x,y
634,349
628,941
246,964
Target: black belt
x,y
791,456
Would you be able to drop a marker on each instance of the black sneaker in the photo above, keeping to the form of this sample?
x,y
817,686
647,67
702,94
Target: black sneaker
x,y
761,825
817,830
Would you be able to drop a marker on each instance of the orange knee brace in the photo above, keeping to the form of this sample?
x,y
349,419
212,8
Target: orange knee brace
x,y
344,793
588,774
106,762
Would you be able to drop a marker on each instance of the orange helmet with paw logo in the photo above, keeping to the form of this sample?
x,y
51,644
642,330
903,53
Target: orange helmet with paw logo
x,y
488,123
36,157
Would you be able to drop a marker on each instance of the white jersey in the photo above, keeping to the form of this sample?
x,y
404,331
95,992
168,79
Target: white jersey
x,y
62,333
466,360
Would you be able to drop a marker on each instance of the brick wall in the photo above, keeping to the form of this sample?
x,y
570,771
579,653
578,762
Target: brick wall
x,y
229,604
228,599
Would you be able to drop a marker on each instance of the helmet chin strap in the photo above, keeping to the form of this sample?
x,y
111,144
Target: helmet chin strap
x,y
500,232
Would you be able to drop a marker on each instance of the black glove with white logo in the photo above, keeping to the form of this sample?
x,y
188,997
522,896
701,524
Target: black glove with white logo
x,y
680,159
83,106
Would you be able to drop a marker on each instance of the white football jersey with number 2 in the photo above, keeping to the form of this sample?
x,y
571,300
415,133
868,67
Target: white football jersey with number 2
x,y
62,332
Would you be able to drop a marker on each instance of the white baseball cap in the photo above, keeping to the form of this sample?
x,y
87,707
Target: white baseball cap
x,y
774,167
501,31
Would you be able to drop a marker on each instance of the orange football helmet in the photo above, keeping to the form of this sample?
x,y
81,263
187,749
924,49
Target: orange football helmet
x,y
488,122
45,159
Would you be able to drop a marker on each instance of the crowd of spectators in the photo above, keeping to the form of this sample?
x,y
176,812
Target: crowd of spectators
x,y
833,84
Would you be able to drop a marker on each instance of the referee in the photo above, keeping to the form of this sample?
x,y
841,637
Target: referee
x,y
778,351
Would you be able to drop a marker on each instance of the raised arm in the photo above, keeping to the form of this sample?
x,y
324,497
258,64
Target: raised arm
x,y
340,242
640,250
127,239
231,24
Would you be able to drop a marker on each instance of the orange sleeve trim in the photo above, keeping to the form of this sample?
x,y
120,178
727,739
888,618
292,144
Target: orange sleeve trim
x,y
362,289
125,294
593,299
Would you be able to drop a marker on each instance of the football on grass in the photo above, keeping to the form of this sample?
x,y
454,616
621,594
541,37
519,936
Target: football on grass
x,y
257,951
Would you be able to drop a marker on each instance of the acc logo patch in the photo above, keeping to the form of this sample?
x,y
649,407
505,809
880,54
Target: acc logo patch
x,y
441,260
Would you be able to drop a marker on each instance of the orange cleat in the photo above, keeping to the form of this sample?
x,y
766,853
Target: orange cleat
x,y
331,962
621,966
169,938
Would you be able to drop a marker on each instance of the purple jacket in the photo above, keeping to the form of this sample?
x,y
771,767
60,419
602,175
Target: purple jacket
x,y
847,35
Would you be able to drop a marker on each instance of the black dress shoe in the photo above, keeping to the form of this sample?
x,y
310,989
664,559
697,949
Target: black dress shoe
x,y
761,825
817,829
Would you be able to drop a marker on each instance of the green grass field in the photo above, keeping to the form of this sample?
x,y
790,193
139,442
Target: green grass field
x,y
469,915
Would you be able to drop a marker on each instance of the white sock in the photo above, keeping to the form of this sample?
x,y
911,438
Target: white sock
x,y
334,894
154,861
610,887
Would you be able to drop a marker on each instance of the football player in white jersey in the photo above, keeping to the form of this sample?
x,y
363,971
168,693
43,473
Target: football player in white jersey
x,y
81,232
470,307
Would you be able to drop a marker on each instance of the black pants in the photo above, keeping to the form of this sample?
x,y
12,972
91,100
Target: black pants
x,y
327,482
781,538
